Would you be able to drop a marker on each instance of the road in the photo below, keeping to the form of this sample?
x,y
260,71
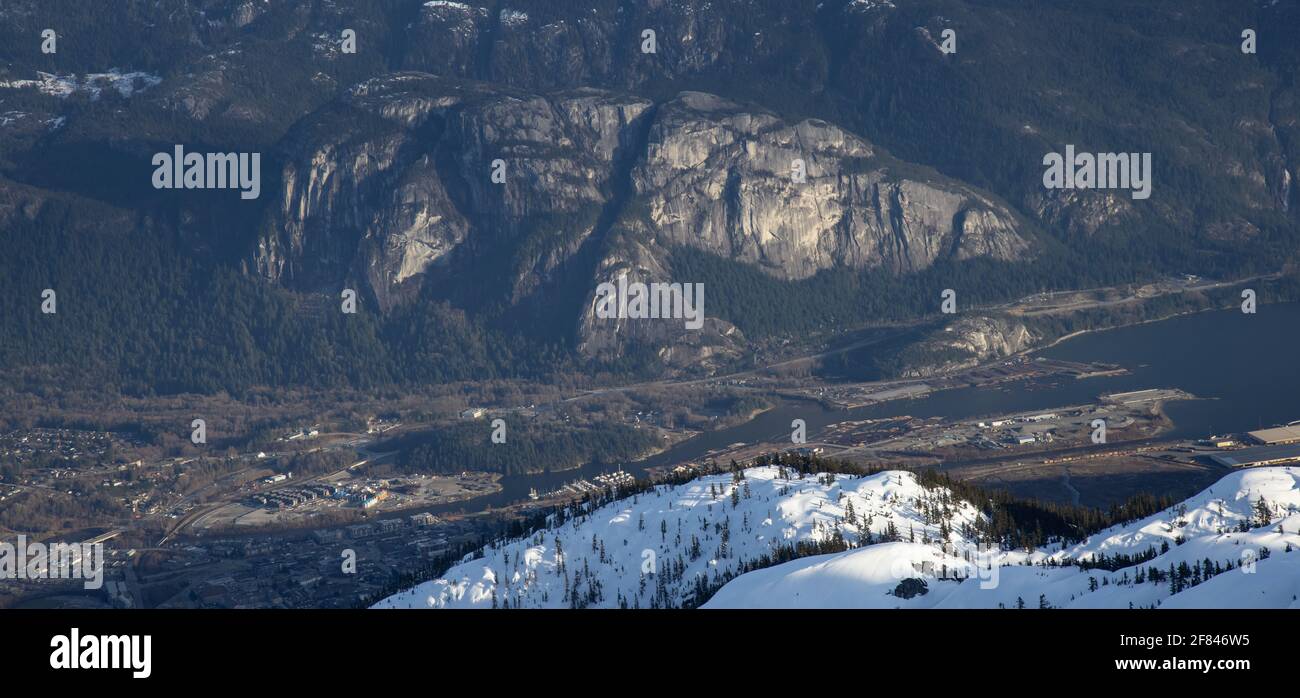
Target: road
x,y
1037,307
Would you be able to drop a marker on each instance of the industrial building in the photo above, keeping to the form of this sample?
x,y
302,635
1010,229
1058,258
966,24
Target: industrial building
x,y
1260,455
1277,435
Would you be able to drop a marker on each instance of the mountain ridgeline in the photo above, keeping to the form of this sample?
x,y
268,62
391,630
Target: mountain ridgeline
x,y
475,170
794,532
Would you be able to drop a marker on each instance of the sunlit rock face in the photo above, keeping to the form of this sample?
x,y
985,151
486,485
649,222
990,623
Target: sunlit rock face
x,y
385,185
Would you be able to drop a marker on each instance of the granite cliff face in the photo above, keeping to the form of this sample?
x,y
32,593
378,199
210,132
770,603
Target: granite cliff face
x,y
384,186
794,199
381,208
966,342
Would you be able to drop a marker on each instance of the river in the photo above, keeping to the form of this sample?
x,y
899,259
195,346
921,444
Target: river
x,y
1241,366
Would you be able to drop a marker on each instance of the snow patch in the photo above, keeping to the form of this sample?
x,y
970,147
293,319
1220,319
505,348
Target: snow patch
x,y
63,86
513,18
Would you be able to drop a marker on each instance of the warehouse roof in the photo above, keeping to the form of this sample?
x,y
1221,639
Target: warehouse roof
x,y
1262,455
1277,435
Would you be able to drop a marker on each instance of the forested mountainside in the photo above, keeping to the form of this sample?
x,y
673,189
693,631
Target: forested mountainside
x,y
921,171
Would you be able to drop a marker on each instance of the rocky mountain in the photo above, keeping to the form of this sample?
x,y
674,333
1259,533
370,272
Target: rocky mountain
x,y
396,179
399,174
966,342
718,177
798,154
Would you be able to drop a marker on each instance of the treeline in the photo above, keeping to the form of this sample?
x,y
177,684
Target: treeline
x,y
311,463
762,305
1012,521
136,314
527,448
506,530
37,513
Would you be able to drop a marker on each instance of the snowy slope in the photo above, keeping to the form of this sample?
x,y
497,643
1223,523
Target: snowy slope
x,y
1275,584
638,552
661,528
1207,524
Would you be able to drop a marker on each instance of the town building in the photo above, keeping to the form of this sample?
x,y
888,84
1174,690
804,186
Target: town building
x,y
423,519
1260,455
1277,435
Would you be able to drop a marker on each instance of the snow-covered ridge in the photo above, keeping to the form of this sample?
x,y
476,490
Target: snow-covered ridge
x,y
657,548
673,545
1212,551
